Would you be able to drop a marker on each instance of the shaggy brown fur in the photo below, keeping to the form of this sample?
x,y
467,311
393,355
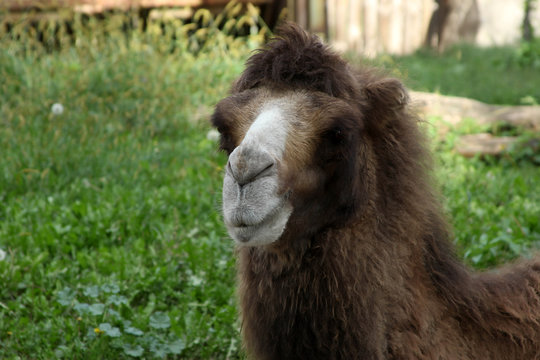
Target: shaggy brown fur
x,y
365,268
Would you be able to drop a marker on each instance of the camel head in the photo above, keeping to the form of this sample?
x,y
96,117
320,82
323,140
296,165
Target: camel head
x,y
294,128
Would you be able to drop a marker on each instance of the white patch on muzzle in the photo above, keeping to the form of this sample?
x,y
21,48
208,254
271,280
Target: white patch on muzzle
x,y
254,212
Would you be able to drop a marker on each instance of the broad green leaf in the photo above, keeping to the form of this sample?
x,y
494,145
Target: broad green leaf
x,y
133,350
159,349
110,288
117,300
160,320
96,309
82,308
91,291
109,330
176,347
133,331
65,296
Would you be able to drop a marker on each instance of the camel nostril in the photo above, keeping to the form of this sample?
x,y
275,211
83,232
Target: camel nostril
x,y
248,165
258,172
266,169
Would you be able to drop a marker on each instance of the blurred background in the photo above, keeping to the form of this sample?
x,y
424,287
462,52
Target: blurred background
x,y
369,26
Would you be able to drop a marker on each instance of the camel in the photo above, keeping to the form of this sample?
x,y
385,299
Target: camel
x,y
343,249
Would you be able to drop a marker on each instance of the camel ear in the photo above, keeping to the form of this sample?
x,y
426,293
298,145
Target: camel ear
x,y
388,92
386,98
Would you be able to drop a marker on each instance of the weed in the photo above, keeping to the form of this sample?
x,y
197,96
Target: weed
x,y
103,318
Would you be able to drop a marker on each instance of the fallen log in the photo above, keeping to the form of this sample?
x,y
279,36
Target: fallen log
x,y
483,144
453,110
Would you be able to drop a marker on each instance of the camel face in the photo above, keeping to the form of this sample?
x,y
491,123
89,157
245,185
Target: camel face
x,y
285,151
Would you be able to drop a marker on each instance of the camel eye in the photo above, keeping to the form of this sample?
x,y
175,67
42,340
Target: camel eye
x,y
335,145
335,136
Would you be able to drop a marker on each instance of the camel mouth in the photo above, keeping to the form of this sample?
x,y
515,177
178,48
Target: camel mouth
x,y
247,232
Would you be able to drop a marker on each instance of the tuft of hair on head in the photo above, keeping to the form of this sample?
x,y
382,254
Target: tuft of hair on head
x,y
298,60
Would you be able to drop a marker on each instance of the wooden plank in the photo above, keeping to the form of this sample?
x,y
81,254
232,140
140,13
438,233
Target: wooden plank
x,y
371,28
343,23
398,31
107,5
385,19
318,18
291,10
16,5
300,13
94,6
331,14
412,26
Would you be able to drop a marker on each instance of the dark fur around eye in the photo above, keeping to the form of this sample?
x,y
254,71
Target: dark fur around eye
x,y
334,146
226,142
335,136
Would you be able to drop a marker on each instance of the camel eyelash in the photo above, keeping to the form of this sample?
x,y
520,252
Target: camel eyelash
x,y
226,143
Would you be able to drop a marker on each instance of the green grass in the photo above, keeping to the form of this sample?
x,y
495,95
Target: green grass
x,y
109,212
121,190
493,204
492,75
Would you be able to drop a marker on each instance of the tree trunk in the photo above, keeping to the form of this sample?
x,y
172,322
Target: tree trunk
x,y
453,21
527,29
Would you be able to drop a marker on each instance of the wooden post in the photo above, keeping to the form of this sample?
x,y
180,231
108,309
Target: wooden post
x,y
318,18
371,27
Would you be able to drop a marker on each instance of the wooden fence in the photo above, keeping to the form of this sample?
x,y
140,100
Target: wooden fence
x,y
96,6
12,10
367,26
